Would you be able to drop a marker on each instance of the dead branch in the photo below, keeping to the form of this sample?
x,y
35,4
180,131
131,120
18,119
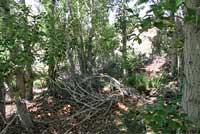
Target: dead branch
x,y
8,125
93,107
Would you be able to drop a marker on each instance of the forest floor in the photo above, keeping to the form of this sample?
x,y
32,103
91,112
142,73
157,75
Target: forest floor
x,y
54,114
50,113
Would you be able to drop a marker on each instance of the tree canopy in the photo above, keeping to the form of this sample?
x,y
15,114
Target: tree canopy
x,y
75,66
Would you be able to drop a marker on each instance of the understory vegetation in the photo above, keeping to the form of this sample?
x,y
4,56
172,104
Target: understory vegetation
x,y
99,66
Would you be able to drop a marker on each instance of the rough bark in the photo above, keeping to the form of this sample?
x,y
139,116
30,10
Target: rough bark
x,y
29,83
52,63
90,44
124,38
24,115
20,82
191,93
70,50
6,11
82,61
81,50
176,53
90,53
2,103
180,57
29,72
71,61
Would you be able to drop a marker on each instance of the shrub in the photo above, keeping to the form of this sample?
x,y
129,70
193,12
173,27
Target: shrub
x,y
132,122
158,81
139,81
40,83
165,116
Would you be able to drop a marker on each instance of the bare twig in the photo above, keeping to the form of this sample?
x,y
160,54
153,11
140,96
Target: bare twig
x,y
2,117
93,107
8,124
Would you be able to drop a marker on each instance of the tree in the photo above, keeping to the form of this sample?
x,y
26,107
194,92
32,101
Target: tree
x,y
191,92
123,19
28,47
87,24
51,60
2,102
190,99
4,10
126,24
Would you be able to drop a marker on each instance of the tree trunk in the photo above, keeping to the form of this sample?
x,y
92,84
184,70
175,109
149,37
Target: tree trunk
x,y
20,82
29,83
52,62
191,93
124,39
24,115
176,51
2,103
5,17
90,53
29,72
90,44
71,61
81,58
51,76
180,57
81,52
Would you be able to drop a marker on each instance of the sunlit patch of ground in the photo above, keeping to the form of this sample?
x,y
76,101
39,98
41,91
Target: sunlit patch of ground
x,y
10,104
156,65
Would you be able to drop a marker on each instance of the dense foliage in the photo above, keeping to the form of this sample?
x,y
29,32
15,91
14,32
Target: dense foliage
x,y
71,48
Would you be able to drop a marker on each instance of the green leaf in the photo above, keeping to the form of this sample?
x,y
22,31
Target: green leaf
x,y
190,15
172,5
179,2
159,24
174,125
169,5
129,10
146,23
142,1
139,40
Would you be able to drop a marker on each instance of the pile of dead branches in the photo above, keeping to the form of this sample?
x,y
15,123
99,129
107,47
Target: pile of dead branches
x,y
94,99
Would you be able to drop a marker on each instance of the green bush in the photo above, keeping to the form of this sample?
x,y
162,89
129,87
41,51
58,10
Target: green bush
x,y
158,81
139,81
132,122
37,84
155,82
165,116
